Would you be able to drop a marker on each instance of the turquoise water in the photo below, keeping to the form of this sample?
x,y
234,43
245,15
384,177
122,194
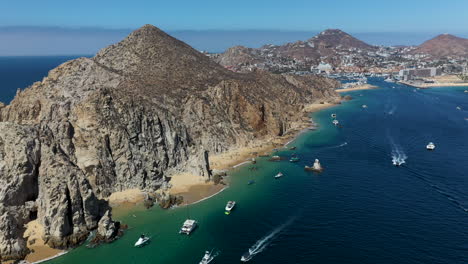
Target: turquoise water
x,y
361,209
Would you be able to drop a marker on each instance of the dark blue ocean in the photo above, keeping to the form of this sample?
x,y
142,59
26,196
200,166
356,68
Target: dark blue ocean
x,y
361,210
20,72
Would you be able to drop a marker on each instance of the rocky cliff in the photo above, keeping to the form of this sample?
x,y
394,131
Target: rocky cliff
x,y
130,117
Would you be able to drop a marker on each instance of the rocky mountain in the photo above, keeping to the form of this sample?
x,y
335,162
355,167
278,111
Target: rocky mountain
x,y
444,45
137,113
328,46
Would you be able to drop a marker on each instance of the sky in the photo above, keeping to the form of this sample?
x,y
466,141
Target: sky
x,y
47,26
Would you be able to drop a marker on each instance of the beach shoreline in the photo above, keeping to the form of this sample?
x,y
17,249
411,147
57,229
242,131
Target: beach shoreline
x,y
433,85
357,88
195,189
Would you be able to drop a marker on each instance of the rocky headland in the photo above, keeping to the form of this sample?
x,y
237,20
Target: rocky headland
x,y
138,113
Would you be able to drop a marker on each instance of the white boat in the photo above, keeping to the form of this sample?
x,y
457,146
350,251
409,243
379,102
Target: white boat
x,y
188,226
247,256
317,167
335,122
207,258
364,106
430,146
142,241
458,108
279,175
229,206
333,115
389,79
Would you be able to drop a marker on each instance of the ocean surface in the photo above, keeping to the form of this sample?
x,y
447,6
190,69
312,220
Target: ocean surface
x,y
361,210
21,72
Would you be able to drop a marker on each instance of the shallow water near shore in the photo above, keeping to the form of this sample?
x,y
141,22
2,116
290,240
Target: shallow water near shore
x,y
361,209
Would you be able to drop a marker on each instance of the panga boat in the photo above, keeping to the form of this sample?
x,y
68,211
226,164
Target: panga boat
x,y
335,122
188,226
294,159
207,258
430,146
229,206
142,241
279,175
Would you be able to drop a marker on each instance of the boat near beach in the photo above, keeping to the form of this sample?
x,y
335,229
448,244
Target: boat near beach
x,y
188,226
143,240
294,158
430,146
229,206
333,115
279,175
208,257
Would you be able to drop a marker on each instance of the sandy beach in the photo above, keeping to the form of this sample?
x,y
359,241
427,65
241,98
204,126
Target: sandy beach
x,y
126,198
357,88
39,250
439,81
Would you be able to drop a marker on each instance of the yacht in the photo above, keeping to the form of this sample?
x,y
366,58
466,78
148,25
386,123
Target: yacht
x,y
430,146
142,241
279,175
207,258
335,122
317,167
229,206
188,226
389,79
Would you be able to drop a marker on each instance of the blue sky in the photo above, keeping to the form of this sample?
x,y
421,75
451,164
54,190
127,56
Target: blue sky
x,y
53,27
350,15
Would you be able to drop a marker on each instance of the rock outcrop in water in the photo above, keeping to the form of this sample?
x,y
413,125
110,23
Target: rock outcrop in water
x,y
137,113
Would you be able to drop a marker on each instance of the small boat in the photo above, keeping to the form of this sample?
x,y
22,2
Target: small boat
x,y
335,122
207,258
251,182
229,206
254,161
188,226
364,106
458,108
275,158
292,148
430,146
279,175
389,79
143,240
466,91
333,115
246,256
294,158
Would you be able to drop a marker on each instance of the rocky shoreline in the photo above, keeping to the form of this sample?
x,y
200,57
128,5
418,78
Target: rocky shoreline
x,y
101,125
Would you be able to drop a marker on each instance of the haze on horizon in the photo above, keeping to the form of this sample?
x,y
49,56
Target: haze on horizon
x,y
53,27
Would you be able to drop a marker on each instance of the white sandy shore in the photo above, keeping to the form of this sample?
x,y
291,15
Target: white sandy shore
x,y
357,88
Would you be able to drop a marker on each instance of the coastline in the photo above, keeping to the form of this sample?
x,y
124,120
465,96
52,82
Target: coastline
x,y
40,251
194,188
357,88
432,85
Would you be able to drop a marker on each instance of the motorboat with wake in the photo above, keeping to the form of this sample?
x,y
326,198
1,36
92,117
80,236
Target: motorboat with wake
x,y
247,256
294,158
143,240
188,226
279,175
208,257
335,122
430,146
229,206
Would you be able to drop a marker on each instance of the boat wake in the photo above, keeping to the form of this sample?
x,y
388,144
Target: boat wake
x,y
262,243
398,156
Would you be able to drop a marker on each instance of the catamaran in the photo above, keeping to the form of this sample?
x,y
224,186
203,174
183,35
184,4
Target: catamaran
x,y
188,226
142,241
229,206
